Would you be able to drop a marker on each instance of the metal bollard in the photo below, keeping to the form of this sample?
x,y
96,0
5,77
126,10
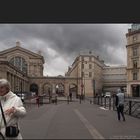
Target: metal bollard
x,y
105,101
93,100
130,105
37,101
80,99
68,100
101,100
98,100
113,103
56,100
109,103
49,99
90,102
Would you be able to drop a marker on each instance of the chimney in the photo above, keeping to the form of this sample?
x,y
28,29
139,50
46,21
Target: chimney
x,y
17,44
90,52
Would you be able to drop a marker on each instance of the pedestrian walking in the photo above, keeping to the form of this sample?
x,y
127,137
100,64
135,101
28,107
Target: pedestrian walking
x,y
70,95
37,100
12,110
120,104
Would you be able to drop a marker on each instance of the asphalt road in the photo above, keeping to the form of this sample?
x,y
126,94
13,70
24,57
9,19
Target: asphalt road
x,y
76,121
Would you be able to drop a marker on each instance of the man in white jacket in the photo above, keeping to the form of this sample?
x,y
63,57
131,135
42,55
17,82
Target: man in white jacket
x,y
12,106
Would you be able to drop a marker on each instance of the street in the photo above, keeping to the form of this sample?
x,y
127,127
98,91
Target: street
x,y
76,121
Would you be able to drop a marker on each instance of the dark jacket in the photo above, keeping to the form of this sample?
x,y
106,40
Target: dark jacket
x,y
119,99
116,100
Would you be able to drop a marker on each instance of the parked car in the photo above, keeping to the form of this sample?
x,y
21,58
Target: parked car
x,y
107,94
102,94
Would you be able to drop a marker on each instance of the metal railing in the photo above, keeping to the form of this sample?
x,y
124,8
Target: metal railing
x,y
131,106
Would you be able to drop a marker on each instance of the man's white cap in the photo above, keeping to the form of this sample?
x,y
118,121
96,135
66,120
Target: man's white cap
x,y
118,90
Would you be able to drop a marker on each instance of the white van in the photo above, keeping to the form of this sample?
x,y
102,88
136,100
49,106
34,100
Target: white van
x,y
107,94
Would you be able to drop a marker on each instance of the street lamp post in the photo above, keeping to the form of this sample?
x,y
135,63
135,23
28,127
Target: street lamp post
x,y
21,88
84,86
93,89
84,78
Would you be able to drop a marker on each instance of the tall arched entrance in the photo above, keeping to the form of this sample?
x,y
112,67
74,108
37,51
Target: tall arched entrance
x,y
47,89
59,88
135,90
34,89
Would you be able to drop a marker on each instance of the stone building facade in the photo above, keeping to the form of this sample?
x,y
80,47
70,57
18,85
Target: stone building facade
x,y
89,68
133,60
87,75
96,77
19,80
114,77
24,69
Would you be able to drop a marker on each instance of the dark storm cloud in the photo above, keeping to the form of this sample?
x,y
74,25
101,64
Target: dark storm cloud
x,y
67,40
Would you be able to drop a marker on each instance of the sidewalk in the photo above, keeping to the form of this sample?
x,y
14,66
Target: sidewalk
x,y
105,121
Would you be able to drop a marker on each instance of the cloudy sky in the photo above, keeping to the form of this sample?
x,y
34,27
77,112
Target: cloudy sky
x,y
61,43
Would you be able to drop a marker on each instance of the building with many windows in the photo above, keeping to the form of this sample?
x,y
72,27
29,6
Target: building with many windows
x,y
96,77
133,60
88,75
24,69
114,77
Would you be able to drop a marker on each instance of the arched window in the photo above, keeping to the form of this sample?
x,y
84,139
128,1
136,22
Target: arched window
x,y
20,63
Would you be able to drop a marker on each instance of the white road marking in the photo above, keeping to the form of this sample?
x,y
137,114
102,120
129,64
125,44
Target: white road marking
x,y
103,108
94,133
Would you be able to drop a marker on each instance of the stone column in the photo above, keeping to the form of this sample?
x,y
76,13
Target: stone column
x,y
66,88
12,82
16,84
129,90
53,89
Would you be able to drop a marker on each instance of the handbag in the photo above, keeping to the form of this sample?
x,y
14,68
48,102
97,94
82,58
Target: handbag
x,y
10,131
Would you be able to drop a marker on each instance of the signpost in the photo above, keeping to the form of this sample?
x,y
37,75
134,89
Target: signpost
x,y
82,87
93,89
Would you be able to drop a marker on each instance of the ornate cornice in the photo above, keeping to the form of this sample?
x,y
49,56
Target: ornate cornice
x,y
132,32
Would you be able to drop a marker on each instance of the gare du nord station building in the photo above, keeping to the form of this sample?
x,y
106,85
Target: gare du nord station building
x,y
88,75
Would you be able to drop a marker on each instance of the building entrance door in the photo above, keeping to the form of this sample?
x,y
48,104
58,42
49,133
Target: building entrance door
x,y
136,90
34,88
